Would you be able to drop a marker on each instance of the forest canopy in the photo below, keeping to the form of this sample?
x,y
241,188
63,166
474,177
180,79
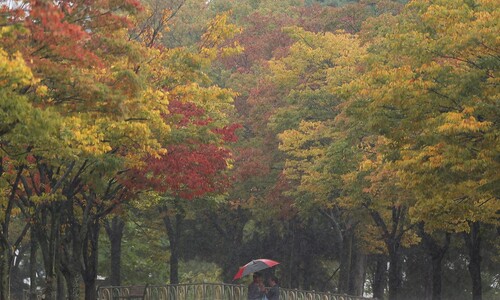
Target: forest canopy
x,y
172,141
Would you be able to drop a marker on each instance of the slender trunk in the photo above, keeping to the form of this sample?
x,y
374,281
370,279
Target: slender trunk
x,y
357,271
48,242
345,263
343,232
231,230
32,268
174,260
73,285
61,293
5,263
392,237
307,265
16,273
232,260
90,290
437,275
116,255
394,273
173,228
90,258
379,278
436,253
473,243
70,262
72,276
50,291
114,230
292,280
6,254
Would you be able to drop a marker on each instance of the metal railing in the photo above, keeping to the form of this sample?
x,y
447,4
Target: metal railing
x,y
291,294
212,291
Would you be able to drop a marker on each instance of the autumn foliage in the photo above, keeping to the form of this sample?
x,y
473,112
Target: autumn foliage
x,y
355,141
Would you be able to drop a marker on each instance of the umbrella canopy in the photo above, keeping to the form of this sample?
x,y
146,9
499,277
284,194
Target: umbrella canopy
x,y
255,266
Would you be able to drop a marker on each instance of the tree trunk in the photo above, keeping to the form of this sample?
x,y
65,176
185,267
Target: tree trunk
x,y
173,231
90,290
90,258
379,278
394,273
436,253
345,263
174,259
73,285
307,264
32,268
473,243
6,254
70,257
437,275
50,291
392,237
16,273
114,230
71,271
292,279
5,263
231,230
50,269
357,271
344,235
61,293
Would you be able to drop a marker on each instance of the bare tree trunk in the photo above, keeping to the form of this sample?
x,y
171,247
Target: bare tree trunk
x,y
473,243
5,261
394,272
90,259
71,259
292,279
437,275
16,273
231,230
32,269
73,285
345,264
114,230
392,235
173,228
379,278
436,253
90,290
50,291
358,271
49,242
6,252
344,234
61,292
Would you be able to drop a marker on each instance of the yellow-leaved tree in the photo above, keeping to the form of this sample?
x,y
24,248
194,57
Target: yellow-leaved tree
x,y
89,115
431,90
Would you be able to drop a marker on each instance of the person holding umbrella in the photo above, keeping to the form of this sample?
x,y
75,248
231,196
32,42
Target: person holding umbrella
x,y
255,266
256,289
274,291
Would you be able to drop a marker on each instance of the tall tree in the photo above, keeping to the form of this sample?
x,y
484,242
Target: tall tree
x,y
430,90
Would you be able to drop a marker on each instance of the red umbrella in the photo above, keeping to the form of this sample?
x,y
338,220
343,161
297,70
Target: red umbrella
x,y
255,266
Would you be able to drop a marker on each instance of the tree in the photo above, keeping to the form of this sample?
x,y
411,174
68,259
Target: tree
x,y
18,117
432,96
105,120
197,156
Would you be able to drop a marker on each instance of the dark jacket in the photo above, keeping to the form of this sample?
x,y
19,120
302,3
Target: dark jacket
x,y
254,292
273,293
